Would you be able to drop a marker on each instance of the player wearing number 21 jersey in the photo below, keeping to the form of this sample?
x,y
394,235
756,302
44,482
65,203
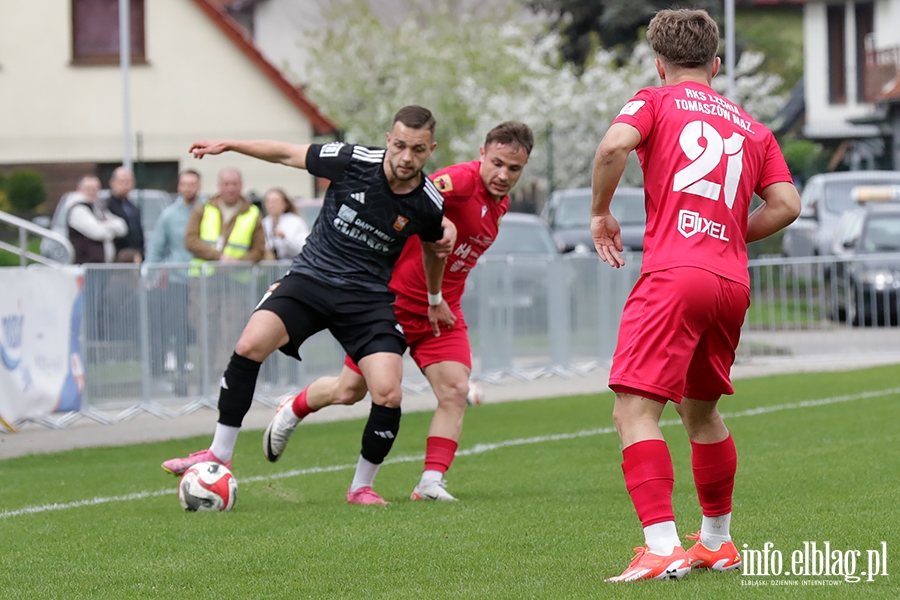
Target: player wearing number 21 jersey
x,y
703,158
708,158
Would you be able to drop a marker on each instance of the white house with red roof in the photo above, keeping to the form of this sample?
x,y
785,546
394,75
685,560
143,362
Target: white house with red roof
x,y
194,75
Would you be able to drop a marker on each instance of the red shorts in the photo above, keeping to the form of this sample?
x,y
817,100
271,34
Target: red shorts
x,y
425,348
679,332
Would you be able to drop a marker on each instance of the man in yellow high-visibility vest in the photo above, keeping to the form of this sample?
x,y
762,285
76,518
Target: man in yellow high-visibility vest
x,y
228,229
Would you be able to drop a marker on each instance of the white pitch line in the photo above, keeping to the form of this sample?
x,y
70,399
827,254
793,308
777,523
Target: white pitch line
x,y
476,449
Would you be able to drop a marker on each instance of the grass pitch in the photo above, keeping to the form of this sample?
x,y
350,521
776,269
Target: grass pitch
x,y
543,510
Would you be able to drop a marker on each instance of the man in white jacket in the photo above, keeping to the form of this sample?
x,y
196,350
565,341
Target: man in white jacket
x,y
92,228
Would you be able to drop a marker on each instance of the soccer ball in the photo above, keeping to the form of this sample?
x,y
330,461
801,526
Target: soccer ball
x,y
207,486
475,395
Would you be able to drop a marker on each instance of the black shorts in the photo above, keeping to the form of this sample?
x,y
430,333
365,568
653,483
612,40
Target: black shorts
x,y
362,322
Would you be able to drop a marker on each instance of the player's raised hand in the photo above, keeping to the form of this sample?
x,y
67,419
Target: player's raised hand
x,y
201,149
607,238
440,315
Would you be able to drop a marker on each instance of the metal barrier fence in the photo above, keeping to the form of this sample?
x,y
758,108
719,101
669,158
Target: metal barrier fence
x,y
157,336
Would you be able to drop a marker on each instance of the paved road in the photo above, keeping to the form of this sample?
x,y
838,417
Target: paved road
x,y
35,439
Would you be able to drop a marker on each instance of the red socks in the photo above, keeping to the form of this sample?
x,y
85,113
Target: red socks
x,y
439,453
299,405
650,478
714,467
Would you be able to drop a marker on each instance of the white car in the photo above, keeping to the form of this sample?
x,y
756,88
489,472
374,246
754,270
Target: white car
x,y
825,198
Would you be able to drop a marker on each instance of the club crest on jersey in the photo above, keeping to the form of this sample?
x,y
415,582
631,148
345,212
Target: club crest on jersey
x,y
443,183
400,223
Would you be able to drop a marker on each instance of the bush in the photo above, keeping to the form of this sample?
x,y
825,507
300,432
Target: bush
x,y
804,157
25,190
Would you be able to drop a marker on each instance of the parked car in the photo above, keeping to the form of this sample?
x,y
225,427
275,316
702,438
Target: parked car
x,y
523,234
527,241
151,203
825,198
568,212
864,287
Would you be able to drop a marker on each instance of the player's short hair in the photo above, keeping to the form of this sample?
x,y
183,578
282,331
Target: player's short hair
x,y
415,117
511,132
684,37
190,172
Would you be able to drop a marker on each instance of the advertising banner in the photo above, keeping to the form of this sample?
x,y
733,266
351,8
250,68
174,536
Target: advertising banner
x,y
41,362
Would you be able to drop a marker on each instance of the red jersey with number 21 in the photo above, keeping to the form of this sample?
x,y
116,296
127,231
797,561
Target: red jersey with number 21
x,y
703,157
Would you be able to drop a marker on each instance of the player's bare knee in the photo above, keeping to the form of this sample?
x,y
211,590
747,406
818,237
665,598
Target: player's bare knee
x,y
453,394
248,347
389,396
347,395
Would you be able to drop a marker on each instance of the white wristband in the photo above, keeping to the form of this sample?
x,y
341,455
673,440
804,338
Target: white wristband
x,y
435,299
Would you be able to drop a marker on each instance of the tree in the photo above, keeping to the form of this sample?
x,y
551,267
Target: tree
x,y
25,190
473,74
583,24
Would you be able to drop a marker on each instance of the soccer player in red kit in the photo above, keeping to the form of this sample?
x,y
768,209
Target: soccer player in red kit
x,y
703,157
475,198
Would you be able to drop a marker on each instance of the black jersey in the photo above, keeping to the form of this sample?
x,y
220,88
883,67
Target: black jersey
x,y
363,225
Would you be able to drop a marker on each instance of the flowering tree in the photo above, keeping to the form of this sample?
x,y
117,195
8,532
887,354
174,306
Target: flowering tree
x,y
474,74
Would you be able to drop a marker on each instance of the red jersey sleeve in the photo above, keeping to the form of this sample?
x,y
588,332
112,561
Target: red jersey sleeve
x,y
453,183
775,169
640,112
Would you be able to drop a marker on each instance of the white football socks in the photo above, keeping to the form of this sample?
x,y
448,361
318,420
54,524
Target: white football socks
x,y
662,538
365,474
715,531
223,441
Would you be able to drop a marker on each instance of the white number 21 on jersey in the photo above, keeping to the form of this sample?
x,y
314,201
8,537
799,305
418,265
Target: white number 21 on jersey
x,y
703,160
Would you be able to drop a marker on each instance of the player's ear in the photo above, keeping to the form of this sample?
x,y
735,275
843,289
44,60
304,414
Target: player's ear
x,y
660,69
715,69
481,152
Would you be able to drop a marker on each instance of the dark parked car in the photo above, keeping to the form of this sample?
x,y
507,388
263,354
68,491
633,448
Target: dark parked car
x,y
568,212
865,286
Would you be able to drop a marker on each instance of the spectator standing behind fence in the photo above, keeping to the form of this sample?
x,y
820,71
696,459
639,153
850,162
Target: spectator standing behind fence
x,y
228,228
286,231
168,299
120,184
92,228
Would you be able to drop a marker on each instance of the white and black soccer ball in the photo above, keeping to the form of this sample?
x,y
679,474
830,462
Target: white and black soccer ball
x,y
208,487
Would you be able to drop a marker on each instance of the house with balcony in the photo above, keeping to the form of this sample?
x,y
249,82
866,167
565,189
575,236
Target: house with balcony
x,y
193,75
851,89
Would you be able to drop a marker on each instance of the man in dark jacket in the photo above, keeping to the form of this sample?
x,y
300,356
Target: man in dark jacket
x,y
120,184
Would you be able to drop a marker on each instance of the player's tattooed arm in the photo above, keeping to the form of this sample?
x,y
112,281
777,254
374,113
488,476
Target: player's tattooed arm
x,y
291,155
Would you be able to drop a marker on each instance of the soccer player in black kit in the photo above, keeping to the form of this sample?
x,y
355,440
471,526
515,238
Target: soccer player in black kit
x,y
377,199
